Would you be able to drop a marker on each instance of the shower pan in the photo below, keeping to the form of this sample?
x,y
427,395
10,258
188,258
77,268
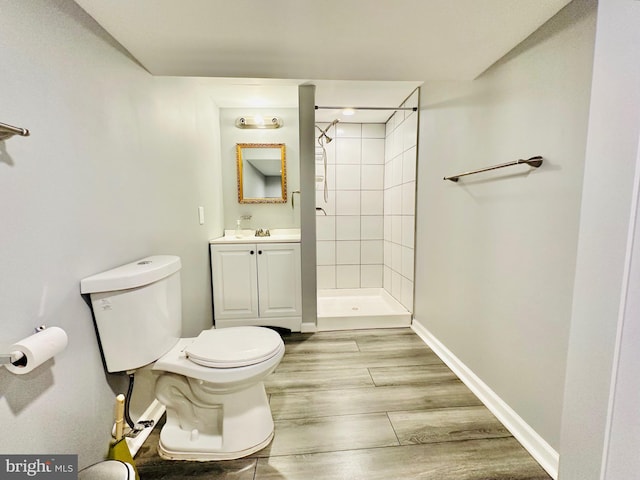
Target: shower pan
x,y
358,308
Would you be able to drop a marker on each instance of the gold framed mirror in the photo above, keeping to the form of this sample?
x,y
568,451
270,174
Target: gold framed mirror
x,y
262,174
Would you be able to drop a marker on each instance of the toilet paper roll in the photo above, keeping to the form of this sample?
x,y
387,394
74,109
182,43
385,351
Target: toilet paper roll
x,y
37,349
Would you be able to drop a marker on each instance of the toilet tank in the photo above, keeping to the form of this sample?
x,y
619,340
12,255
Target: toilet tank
x,y
137,309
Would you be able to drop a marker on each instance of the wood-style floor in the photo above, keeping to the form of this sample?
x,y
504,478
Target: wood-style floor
x,y
366,404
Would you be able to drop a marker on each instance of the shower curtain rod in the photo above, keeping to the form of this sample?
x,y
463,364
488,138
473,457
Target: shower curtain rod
x,y
413,109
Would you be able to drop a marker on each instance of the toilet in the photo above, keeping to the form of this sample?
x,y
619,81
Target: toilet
x,y
211,385
108,470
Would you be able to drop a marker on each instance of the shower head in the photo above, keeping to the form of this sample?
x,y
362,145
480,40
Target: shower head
x,y
323,133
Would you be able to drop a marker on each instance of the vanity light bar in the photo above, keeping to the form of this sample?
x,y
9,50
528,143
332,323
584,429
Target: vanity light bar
x,y
258,121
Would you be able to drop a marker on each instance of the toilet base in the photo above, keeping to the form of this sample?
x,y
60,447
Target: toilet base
x,y
202,425
211,456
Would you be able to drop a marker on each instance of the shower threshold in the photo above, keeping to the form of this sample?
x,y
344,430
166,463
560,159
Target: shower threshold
x,y
359,308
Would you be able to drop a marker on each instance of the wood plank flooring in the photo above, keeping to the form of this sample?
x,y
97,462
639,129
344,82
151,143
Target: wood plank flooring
x,y
366,405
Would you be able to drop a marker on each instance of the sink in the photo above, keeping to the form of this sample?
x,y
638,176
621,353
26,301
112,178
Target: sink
x,y
278,235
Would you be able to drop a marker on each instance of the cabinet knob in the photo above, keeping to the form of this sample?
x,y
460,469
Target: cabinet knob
x,y
251,252
259,252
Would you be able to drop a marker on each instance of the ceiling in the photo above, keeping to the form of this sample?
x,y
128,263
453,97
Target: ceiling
x,y
356,52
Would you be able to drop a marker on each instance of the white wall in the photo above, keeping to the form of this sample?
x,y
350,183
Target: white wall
x,y
495,253
266,215
115,168
600,421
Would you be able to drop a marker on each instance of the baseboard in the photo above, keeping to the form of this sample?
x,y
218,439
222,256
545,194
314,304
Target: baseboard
x,y
308,327
153,412
539,449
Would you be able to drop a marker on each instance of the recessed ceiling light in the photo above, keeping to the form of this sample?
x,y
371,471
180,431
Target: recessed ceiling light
x,y
348,111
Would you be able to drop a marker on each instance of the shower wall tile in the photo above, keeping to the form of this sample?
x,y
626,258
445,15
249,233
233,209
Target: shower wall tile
x,y
387,228
373,130
387,253
396,200
348,151
348,227
396,257
399,203
372,177
396,171
396,229
410,131
406,293
387,148
331,177
353,130
348,252
371,276
390,126
407,263
387,201
386,278
348,276
387,174
371,252
373,151
326,276
330,205
330,148
351,249
325,227
325,253
408,198
371,202
348,177
371,227
347,202
396,285
397,146
408,231
331,153
409,165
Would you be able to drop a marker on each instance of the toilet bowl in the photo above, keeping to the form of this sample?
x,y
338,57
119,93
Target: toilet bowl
x,y
211,385
108,470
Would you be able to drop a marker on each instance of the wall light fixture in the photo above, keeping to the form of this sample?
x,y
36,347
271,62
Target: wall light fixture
x,y
258,121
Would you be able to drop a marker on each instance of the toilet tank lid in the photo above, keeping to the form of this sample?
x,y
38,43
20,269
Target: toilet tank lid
x,y
135,274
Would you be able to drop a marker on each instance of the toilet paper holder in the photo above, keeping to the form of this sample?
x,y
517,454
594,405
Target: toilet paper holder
x,y
15,357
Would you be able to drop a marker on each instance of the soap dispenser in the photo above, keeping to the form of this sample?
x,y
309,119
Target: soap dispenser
x,y
238,229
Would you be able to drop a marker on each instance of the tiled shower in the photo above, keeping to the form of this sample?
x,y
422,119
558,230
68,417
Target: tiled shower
x,y
366,239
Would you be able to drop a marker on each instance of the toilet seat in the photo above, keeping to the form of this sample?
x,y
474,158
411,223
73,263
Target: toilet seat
x,y
233,347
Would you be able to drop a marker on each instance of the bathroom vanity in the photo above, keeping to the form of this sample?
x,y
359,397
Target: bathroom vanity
x,y
257,280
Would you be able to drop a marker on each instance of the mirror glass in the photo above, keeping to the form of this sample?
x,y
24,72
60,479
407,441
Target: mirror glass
x,y
262,176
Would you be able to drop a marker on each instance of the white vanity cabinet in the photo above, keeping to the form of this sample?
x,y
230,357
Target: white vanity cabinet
x,y
257,284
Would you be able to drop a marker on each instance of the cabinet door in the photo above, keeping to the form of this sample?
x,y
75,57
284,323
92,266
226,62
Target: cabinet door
x,y
234,277
279,279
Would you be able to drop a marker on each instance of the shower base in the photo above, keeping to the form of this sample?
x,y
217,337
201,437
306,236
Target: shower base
x,y
351,309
